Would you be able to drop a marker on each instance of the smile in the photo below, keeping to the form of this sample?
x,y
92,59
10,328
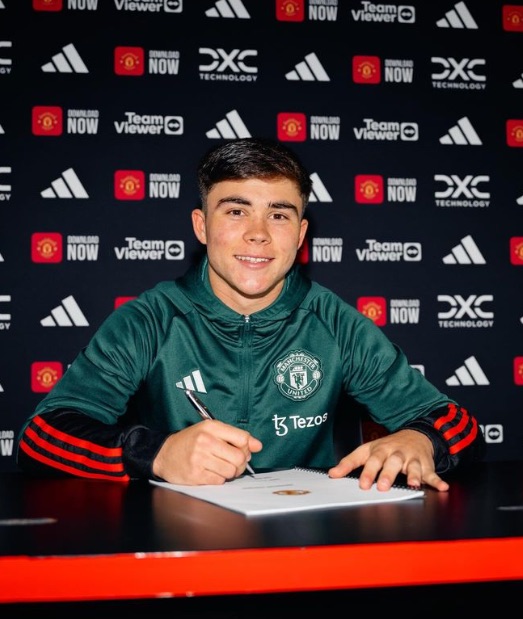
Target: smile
x,y
251,259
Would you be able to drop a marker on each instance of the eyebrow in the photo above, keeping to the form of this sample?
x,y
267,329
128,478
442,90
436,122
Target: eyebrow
x,y
243,201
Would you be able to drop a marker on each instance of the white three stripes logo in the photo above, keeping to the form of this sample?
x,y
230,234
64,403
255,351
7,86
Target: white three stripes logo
x,y
466,252
193,381
67,61
66,186
470,373
319,192
68,314
461,133
231,127
232,8
309,70
458,17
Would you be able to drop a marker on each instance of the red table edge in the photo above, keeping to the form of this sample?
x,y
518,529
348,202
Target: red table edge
x,y
265,570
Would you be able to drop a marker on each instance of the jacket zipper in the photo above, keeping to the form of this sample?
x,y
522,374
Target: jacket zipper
x,y
245,368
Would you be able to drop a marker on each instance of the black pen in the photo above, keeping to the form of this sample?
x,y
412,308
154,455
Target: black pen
x,y
205,413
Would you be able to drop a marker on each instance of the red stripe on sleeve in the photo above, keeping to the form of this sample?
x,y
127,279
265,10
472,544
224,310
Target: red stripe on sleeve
x,y
68,469
460,445
74,457
452,411
457,429
106,452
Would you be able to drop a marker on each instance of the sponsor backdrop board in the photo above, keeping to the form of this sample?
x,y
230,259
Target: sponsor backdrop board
x,y
409,117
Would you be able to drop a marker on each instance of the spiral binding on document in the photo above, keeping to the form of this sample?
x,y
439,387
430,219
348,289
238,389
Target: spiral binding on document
x,y
353,475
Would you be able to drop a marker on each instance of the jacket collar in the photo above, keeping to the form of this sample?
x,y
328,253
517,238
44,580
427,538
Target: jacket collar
x,y
195,284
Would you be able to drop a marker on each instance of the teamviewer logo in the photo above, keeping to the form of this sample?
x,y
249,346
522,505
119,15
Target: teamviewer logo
x,y
493,432
412,252
409,132
406,14
173,125
174,250
173,6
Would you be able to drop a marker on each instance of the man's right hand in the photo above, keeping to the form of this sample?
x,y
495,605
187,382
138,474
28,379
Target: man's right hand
x,y
208,452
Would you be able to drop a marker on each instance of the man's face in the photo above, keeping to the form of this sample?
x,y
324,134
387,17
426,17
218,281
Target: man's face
x,y
253,230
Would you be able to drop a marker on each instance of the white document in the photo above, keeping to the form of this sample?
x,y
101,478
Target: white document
x,y
291,490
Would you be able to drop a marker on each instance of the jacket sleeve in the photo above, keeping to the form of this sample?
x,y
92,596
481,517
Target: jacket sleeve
x,y
456,437
68,443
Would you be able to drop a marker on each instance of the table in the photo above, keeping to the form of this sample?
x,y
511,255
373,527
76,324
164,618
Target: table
x,y
97,540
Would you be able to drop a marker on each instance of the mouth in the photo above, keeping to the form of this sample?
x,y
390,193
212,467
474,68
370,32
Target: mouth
x,y
252,259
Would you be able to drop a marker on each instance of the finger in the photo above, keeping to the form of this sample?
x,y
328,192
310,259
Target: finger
x,y
435,481
255,445
229,460
240,439
414,473
350,462
382,470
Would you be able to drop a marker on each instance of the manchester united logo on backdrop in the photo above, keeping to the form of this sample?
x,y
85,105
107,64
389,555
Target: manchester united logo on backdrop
x,y
298,375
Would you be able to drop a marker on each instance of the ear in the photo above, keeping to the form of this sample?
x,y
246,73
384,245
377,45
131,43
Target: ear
x,y
304,224
198,224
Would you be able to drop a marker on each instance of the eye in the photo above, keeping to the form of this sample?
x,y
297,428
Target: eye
x,y
236,212
279,216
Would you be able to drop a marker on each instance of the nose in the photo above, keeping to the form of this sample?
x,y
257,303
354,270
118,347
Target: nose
x,y
257,231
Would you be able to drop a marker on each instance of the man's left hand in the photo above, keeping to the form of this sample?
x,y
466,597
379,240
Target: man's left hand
x,y
407,451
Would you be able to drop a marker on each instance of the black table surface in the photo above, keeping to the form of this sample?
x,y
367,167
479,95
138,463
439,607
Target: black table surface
x,y
55,517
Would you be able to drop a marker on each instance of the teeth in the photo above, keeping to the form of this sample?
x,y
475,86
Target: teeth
x,y
249,259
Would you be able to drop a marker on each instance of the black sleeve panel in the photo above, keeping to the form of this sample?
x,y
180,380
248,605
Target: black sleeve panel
x,y
69,443
455,435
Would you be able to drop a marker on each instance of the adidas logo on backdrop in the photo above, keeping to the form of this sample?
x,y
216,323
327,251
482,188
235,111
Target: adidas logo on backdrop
x,y
467,375
458,17
319,192
308,70
67,185
461,133
66,61
67,314
228,9
465,252
229,128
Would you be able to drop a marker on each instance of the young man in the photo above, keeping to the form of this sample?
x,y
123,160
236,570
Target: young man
x,y
269,352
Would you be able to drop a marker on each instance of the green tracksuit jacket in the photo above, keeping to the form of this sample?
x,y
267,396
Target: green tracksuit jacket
x,y
277,373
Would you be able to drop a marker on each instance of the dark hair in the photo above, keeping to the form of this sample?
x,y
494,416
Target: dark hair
x,y
251,158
